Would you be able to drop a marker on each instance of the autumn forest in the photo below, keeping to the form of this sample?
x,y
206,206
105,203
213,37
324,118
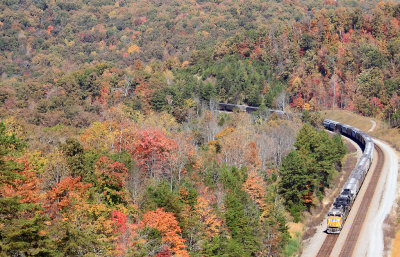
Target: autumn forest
x,y
111,142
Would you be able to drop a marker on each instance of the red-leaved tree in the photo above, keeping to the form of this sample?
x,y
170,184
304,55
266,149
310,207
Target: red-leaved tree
x,y
152,151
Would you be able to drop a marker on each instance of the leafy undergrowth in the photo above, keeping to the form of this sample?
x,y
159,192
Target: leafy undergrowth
x,y
396,242
293,246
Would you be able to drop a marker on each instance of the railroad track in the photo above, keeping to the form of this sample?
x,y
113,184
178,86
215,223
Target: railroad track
x,y
328,245
356,227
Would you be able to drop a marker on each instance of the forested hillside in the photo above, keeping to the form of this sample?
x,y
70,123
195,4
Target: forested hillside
x,y
111,144
165,55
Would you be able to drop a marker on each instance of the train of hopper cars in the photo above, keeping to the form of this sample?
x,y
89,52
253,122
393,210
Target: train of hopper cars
x,y
244,108
343,203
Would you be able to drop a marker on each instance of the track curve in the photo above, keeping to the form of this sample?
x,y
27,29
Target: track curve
x,y
356,226
351,239
364,162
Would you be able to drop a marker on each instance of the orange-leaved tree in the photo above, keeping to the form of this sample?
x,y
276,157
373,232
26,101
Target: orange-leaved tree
x,y
255,187
170,231
79,226
26,186
210,222
64,195
251,156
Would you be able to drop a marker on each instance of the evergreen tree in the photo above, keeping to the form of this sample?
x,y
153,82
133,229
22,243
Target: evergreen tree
x,y
22,229
9,144
74,154
308,170
242,215
254,98
24,234
297,181
340,150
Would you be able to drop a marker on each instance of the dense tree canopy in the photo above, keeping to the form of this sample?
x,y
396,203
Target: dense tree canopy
x,y
110,141
307,170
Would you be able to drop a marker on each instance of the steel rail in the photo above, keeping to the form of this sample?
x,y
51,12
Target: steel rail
x,y
355,230
327,246
356,226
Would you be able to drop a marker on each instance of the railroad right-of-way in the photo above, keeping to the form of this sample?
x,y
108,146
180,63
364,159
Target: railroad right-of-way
x,y
362,234
347,241
371,240
334,243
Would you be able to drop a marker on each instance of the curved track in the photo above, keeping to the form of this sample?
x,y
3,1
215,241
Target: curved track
x,y
356,226
355,230
351,239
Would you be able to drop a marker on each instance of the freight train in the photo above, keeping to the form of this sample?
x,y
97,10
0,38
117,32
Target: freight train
x,y
343,203
245,108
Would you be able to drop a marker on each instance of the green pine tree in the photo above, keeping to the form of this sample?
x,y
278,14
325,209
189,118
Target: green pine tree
x,y
22,229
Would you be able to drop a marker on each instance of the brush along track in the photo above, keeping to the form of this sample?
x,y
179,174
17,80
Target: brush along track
x,y
355,229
